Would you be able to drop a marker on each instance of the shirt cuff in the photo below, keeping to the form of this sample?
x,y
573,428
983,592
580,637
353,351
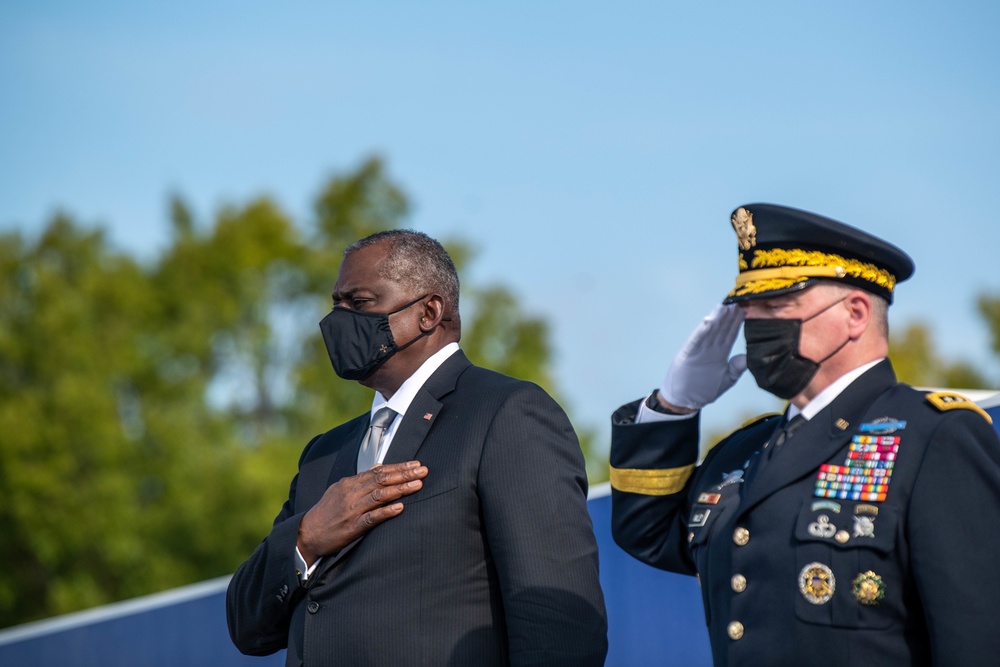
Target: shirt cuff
x,y
647,414
300,566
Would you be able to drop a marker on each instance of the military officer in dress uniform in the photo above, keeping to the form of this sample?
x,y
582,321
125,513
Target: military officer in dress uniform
x,y
862,526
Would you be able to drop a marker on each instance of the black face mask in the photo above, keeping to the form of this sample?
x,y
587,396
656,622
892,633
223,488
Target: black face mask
x,y
773,355
358,342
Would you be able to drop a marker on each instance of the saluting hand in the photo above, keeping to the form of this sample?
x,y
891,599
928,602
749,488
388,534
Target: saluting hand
x,y
354,505
703,370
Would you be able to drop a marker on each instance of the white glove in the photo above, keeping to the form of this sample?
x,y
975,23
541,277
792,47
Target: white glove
x,y
703,370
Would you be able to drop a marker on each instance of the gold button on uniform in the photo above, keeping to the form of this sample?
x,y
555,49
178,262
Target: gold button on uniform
x,y
690,536
741,536
735,630
842,536
739,583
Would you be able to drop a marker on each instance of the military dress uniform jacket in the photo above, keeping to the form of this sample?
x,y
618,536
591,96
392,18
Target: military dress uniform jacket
x,y
797,564
493,562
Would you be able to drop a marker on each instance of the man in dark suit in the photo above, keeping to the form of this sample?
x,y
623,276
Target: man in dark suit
x,y
859,528
454,529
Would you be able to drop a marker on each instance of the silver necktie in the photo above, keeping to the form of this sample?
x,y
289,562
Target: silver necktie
x,y
372,444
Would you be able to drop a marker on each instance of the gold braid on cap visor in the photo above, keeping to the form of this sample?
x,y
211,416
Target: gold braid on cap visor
x,y
778,269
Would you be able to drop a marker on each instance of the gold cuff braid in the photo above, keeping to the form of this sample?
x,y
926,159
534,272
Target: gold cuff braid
x,y
651,482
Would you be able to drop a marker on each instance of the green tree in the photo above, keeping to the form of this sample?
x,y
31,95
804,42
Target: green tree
x,y
989,308
917,362
152,413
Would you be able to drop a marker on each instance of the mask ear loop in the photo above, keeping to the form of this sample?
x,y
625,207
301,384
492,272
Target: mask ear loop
x,y
842,345
402,308
400,348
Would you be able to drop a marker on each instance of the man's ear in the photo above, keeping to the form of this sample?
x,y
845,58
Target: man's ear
x,y
433,313
859,305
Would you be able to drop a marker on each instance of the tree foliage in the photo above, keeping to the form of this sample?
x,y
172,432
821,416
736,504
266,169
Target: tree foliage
x,y
152,412
917,361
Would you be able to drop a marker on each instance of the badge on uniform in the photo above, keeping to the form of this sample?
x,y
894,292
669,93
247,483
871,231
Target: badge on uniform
x,y
826,505
709,498
868,588
817,583
883,426
867,471
864,526
822,527
734,477
699,518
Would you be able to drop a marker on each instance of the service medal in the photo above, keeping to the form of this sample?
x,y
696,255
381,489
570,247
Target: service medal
x,y
868,588
817,583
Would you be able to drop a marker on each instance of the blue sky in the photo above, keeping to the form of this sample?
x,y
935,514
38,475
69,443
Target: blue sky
x,y
592,152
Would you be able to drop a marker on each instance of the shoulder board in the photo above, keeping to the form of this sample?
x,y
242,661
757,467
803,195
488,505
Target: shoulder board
x,y
759,418
950,400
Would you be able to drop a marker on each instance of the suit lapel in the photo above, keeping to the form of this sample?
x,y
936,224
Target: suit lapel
x,y
417,422
816,441
424,409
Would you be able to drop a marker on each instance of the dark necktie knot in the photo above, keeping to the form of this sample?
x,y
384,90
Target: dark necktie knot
x,y
786,431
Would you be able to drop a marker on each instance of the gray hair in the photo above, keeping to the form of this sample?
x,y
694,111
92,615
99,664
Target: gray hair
x,y
418,260
880,305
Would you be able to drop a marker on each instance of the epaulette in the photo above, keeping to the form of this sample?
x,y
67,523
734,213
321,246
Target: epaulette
x,y
950,400
758,418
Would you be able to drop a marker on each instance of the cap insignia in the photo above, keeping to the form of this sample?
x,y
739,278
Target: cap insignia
x,y
746,233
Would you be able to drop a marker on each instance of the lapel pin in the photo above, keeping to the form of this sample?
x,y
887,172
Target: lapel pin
x,y
427,416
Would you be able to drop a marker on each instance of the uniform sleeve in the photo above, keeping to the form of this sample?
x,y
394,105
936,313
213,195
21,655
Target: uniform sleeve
x,y
265,589
533,490
652,468
954,525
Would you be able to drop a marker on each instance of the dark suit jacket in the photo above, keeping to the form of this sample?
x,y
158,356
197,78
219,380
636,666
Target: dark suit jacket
x,y
757,538
492,562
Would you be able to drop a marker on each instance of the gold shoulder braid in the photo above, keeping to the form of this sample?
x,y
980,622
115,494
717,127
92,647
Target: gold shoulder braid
x,y
950,400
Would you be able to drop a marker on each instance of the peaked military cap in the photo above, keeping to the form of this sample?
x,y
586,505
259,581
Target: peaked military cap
x,y
784,249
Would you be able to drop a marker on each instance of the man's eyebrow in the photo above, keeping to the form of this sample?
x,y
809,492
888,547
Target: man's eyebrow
x,y
351,292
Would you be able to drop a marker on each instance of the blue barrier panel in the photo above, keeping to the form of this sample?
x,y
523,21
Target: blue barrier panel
x,y
182,627
654,617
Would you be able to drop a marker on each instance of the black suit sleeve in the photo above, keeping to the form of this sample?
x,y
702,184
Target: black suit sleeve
x,y
265,589
533,490
954,519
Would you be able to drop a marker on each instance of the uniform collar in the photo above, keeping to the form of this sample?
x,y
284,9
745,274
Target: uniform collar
x,y
825,397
